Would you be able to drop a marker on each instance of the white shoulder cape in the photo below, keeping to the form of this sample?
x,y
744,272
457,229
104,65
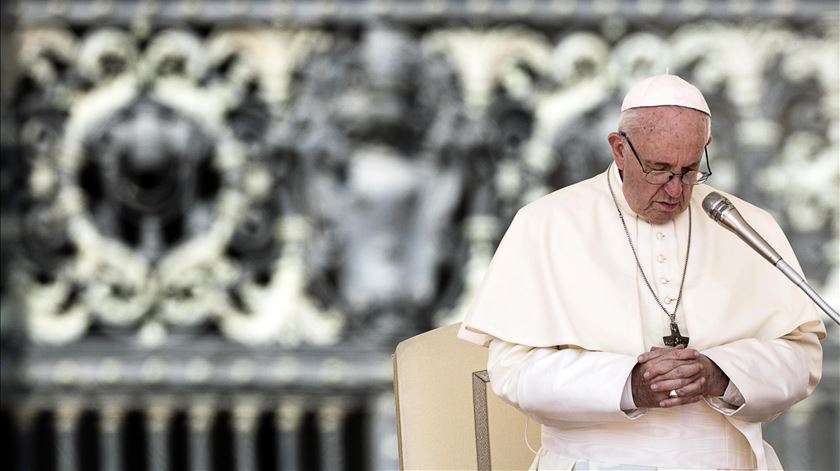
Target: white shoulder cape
x,y
564,275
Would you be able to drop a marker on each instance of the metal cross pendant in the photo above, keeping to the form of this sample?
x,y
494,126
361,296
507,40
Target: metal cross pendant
x,y
675,338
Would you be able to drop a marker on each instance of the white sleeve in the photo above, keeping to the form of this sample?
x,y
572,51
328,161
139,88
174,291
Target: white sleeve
x,y
769,375
563,386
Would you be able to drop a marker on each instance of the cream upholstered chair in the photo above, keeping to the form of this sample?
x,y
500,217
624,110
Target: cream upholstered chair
x,y
447,415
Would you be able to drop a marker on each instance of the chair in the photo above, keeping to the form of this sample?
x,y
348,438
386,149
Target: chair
x,y
447,416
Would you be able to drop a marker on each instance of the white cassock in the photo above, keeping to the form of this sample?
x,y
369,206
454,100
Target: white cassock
x,y
565,313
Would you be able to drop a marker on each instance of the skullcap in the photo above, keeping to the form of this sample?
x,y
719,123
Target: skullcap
x,y
665,90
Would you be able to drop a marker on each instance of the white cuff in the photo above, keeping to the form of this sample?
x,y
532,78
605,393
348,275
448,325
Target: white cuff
x,y
731,402
733,395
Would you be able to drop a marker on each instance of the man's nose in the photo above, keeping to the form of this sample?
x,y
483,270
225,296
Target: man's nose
x,y
674,186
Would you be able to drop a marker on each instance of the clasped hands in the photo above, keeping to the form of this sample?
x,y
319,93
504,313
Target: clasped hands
x,y
685,370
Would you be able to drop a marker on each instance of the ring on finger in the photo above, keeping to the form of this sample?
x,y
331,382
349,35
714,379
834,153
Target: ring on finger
x,y
673,393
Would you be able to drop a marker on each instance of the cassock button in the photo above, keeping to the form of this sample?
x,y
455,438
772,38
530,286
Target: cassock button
x,y
660,235
661,259
664,281
668,300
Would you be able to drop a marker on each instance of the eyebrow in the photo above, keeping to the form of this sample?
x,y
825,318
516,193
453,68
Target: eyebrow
x,y
663,165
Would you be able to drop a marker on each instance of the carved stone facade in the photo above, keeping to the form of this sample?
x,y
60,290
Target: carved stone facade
x,y
204,212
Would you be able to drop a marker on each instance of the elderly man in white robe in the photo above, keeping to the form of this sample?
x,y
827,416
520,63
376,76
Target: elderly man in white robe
x,y
639,333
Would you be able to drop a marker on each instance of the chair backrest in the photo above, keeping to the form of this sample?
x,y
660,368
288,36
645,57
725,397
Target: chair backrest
x,y
447,416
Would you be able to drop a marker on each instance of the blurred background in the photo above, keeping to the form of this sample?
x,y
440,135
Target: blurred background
x,y
219,217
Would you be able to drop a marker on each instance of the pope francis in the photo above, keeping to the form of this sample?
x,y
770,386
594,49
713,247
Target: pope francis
x,y
639,333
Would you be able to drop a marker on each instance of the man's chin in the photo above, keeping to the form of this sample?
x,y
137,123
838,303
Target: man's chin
x,y
661,217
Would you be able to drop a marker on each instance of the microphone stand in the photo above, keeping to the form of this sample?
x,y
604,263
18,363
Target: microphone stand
x,y
800,282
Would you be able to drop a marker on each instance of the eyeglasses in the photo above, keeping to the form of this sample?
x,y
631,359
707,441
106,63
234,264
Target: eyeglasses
x,y
661,177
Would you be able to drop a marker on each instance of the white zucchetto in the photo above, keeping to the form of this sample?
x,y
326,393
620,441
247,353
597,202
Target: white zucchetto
x,y
665,90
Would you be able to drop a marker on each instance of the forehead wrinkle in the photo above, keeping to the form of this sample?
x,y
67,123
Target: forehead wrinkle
x,y
668,132
672,120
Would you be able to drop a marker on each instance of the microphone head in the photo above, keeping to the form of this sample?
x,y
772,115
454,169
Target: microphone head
x,y
715,204
723,212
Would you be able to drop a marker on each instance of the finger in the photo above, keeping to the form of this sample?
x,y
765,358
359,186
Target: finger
x,y
663,367
679,353
666,362
679,401
683,387
656,352
674,384
695,388
678,371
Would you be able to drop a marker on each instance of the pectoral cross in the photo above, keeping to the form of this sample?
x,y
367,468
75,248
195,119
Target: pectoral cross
x,y
675,338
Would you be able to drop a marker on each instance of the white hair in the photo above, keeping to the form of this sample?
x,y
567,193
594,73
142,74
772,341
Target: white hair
x,y
631,121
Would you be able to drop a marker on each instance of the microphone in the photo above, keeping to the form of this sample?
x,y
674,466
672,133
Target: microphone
x,y
719,208
724,213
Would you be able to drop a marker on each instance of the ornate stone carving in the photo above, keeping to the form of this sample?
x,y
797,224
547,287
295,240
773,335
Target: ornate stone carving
x,y
304,187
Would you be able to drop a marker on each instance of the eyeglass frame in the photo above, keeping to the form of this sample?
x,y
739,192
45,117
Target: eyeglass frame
x,y
704,175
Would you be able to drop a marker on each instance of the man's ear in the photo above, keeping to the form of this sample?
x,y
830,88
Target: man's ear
x,y
617,147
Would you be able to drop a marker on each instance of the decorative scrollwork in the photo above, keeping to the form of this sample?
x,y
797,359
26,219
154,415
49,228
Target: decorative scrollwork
x,y
308,187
